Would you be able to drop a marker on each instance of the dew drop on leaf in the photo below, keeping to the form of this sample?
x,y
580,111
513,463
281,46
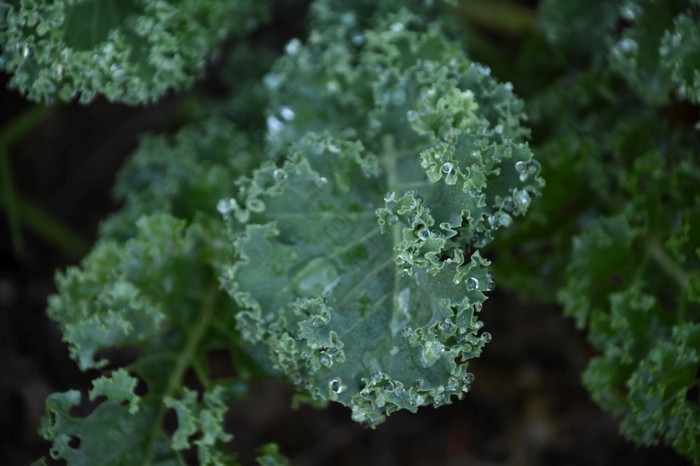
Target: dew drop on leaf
x,y
274,125
279,174
287,113
412,116
326,359
523,199
335,386
358,40
293,47
423,234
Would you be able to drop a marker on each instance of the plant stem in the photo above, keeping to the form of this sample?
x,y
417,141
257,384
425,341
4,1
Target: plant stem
x,y
672,269
503,16
10,133
194,340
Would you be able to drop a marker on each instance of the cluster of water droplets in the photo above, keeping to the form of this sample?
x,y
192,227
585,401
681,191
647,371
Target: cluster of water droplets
x,y
227,206
525,169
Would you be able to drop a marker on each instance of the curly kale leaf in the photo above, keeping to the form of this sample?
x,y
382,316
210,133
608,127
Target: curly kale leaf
x,y
654,45
632,276
149,287
357,256
129,51
155,295
184,175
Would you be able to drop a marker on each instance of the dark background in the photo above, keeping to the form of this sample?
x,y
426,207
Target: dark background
x,y
528,406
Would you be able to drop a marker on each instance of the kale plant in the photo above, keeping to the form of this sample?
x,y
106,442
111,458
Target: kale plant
x,y
347,251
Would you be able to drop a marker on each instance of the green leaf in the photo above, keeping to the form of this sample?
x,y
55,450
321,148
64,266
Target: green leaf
x,y
154,296
130,51
357,262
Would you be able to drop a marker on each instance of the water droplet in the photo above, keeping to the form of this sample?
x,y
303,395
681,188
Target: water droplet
x,y
447,167
293,47
474,192
473,283
476,153
626,46
467,388
412,116
322,182
272,81
318,322
358,40
287,113
333,147
523,199
423,234
388,386
489,275
332,87
26,51
490,286
452,384
469,377
335,386
525,169
392,219
348,19
326,359
279,174
397,27
225,206
274,125
493,221
486,336
445,326
314,277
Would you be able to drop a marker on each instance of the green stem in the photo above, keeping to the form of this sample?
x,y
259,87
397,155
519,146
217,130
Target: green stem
x,y
667,264
17,128
503,16
186,358
672,269
46,227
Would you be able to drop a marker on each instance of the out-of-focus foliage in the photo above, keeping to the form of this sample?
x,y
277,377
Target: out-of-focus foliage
x,y
130,51
653,44
614,128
